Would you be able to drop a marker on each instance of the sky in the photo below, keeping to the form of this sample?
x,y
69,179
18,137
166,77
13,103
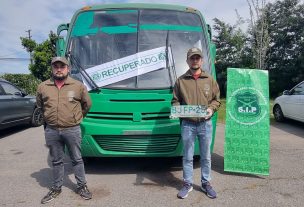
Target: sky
x,y
43,16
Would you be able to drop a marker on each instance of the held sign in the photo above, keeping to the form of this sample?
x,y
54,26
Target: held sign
x,y
188,111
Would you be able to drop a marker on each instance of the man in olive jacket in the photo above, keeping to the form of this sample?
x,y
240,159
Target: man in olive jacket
x,y
64,102
196,87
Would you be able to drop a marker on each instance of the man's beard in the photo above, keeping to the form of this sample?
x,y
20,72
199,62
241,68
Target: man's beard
x,y
60,78
196,68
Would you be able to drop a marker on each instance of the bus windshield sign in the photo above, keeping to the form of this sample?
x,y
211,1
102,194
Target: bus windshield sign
x,y
127,67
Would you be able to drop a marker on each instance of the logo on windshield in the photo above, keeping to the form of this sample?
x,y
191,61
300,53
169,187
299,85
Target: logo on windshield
x,y
162,56
96,76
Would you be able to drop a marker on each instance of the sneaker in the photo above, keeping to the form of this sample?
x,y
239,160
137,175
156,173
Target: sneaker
x,y
186,189
53,193
84,192
206,188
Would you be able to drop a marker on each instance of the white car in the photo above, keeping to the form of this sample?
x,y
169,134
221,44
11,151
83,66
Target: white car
x,y
290,104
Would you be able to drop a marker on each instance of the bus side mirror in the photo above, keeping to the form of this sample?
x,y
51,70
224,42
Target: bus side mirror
x,y
62,27
209,31
60,45
213,50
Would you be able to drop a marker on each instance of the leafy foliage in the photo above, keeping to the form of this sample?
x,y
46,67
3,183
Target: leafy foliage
x,y
42,55
258,31
29,44
286,55
281,52
232,50
26,82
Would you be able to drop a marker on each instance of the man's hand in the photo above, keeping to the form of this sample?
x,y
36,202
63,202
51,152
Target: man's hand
x,y
209,113
173,117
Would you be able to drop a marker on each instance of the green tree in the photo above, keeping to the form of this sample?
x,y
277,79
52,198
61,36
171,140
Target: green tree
x,y
27,82
274,41
42,55
286,55
259,32
232,50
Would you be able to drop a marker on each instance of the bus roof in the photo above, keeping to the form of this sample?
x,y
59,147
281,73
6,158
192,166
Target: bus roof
x,y
140,5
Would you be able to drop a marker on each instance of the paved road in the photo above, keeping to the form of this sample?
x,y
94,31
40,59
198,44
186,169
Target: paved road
x,y
25,175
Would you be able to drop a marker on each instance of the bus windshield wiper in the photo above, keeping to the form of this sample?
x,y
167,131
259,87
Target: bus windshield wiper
x,y
172,79
83,72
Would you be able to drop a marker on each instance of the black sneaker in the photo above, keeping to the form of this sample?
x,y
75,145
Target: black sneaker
x,y
53,193
84,192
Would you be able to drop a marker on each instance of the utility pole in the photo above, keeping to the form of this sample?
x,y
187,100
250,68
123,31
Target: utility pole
x,y
29,37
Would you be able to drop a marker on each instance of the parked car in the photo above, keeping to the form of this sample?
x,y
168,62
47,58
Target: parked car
x,y
290,104
17,107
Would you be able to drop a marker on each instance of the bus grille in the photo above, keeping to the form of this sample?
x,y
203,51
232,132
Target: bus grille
x,y
127,116
138,143
110,116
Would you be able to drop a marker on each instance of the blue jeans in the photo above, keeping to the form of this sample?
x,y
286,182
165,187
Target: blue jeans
x,y
189,132
56,140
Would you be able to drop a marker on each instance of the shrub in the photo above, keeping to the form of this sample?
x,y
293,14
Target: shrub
x,y
27,82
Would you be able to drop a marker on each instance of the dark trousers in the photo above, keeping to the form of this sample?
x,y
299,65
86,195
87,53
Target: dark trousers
x,y
56,140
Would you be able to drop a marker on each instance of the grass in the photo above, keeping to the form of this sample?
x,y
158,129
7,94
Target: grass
x,y
270,111
221,113
221,116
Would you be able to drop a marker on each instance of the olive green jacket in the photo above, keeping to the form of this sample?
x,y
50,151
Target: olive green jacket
x,y
63,107
203,91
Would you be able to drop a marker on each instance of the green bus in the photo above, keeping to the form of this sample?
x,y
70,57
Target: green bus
x,y
129,56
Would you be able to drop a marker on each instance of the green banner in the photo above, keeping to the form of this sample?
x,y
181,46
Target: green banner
x,y
247,122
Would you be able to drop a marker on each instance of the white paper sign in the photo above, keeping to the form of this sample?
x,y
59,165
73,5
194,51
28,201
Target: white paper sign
x,y
127,67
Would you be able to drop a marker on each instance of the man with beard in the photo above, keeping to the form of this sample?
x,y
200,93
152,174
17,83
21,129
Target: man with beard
x,y
196,87
64,102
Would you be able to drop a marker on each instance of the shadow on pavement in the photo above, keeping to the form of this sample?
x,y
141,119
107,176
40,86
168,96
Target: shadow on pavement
x,y
290,126
160,171
13,130
218,166
45,176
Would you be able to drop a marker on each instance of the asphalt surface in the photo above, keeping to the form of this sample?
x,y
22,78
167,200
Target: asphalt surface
x,y
25,175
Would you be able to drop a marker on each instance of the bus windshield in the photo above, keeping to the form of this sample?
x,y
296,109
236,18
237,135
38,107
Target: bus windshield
x,y
99,37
